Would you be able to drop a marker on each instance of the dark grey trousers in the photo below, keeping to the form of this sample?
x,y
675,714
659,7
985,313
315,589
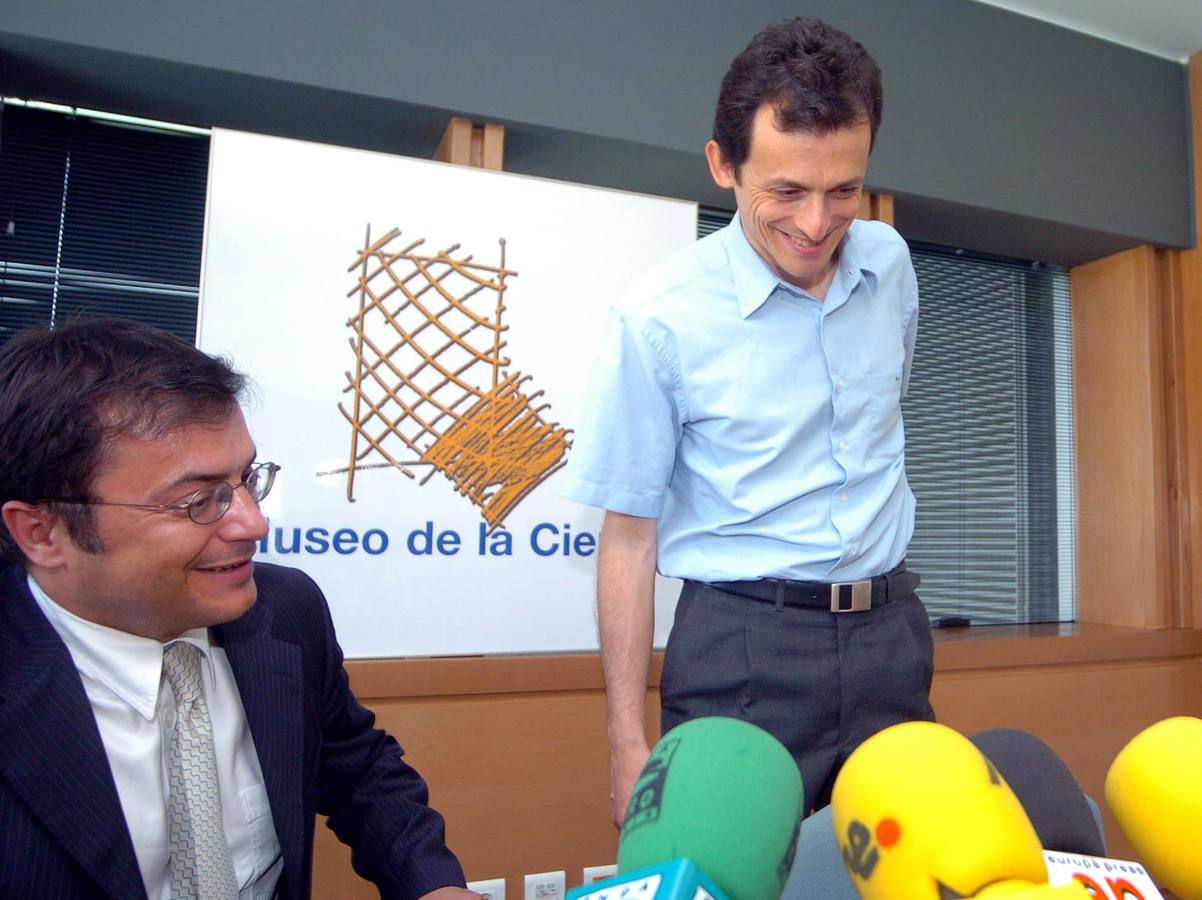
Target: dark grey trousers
x,y
820,682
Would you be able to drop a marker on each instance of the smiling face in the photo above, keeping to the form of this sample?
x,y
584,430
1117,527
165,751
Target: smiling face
x,y
797,194
159,574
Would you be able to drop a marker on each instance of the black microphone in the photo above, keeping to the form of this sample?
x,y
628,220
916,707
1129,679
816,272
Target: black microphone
x,y
1049,793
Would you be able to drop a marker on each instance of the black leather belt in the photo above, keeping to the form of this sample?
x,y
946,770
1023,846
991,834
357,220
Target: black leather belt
x,y
840,597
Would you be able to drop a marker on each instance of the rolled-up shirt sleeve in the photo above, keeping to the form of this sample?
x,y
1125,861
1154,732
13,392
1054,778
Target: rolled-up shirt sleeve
x,y
624,446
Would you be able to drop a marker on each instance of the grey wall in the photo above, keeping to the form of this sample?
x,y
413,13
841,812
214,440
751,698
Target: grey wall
x,y
1001,133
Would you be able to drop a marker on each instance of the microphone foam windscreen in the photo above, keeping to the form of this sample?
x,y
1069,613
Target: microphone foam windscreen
x,y
921,814
1154,789
722,793
1053,800
1024,890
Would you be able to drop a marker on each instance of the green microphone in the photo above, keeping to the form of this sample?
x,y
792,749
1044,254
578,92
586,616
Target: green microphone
x,y
724,794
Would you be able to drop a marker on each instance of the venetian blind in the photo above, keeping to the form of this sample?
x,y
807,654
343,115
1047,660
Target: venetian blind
x,y
99,218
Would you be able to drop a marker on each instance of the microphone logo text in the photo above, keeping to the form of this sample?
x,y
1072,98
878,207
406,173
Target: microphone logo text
x,y
859,855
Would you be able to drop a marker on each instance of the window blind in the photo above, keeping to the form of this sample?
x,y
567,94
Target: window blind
x,y
989,439
99,218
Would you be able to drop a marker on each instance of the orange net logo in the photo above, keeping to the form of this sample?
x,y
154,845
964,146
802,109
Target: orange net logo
x,y
431,386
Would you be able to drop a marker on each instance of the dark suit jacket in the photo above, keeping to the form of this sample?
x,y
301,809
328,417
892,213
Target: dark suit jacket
x,y
62,831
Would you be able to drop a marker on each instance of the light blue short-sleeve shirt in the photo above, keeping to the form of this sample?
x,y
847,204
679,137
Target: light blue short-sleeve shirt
x,y
760,426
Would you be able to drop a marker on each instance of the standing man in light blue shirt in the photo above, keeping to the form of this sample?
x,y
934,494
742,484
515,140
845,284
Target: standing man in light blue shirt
x,y
744,433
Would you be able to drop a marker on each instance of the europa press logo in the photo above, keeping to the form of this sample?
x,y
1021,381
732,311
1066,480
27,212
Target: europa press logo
x,y
431,389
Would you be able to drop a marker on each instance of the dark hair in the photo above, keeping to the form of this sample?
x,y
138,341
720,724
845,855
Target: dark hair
x,y
817,78
67,391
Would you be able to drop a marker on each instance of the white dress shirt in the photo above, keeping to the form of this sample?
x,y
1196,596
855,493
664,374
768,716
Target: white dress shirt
x,y
135,711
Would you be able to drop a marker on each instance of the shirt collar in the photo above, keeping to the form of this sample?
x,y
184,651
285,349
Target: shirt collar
x,y
129,665
853,263
754,281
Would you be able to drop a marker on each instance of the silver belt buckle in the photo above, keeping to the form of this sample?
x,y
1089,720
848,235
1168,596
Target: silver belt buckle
x,y
860,598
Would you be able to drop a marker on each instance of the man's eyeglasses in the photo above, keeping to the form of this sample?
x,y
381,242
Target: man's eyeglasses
x,y
207,505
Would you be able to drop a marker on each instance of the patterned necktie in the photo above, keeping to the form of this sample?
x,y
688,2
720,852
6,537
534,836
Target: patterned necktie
x,y
201,866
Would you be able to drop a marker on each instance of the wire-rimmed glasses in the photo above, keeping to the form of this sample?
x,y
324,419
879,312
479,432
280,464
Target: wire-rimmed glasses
x,y
207,505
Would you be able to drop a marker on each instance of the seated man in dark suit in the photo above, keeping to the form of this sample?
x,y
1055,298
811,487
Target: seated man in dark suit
x,y
171,716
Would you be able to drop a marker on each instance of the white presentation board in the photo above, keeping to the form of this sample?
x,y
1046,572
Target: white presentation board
x,y
420,336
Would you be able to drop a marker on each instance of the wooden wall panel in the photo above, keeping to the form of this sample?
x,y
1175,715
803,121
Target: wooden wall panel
x,y
1137,345
1122,483
1178,394
515,752
1187,302
876,206
522,780
467,143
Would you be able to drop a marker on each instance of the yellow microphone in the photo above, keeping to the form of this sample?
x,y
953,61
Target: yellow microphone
x,y
921,814
1154,789
1024,890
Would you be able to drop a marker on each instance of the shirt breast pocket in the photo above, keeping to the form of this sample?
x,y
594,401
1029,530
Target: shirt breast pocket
x,y
264,849
885,386
874,422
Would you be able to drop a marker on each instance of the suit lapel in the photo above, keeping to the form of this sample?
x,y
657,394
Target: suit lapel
x,y
268,673
51,753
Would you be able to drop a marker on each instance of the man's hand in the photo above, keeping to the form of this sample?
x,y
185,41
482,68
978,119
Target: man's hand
x,y
451,893
624,769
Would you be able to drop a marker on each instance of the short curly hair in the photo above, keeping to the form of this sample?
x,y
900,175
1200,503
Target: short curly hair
x,y
816,77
